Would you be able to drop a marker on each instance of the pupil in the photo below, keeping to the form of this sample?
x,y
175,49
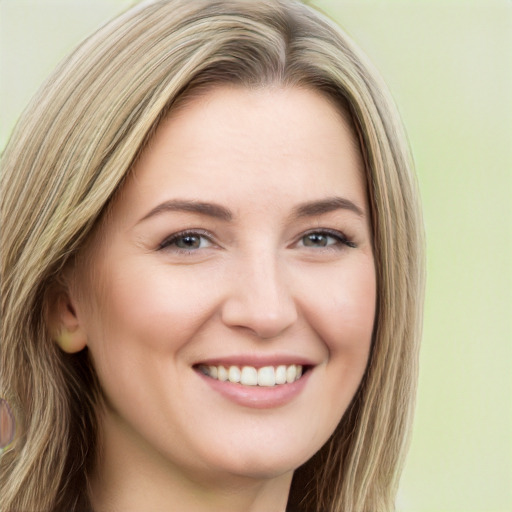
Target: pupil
x,y
316,239
189,242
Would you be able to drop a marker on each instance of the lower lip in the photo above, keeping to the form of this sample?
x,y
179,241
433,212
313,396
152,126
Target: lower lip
x,y
257,397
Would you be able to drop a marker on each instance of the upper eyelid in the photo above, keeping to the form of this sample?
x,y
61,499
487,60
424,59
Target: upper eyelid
x,y
336,233
327,231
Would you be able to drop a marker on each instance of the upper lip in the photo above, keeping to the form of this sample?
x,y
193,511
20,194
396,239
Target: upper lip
x,y
257,361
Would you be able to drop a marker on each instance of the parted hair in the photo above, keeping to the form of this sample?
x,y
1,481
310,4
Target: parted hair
x,y
70,152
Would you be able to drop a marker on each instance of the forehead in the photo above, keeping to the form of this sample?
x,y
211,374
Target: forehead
x,y
249,147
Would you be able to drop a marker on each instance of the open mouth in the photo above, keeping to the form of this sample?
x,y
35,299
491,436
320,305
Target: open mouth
x,y
265,376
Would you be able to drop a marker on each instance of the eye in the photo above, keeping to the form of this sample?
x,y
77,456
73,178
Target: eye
x,y
186,241
321,239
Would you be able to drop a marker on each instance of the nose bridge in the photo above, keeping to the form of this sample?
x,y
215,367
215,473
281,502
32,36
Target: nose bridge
x,y
260,298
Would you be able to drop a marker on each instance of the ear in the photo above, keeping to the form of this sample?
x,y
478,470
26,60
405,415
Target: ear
x,y
64,323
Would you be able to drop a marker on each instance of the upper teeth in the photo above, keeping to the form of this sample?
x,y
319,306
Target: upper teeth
x,y
251,376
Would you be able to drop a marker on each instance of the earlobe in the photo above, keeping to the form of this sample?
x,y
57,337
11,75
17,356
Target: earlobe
x,y
71,341
65,325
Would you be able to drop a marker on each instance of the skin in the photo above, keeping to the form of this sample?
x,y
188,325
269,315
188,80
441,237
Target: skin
x,y
250,286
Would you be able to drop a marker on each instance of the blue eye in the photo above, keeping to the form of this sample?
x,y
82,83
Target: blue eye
x,y
187,241
321,239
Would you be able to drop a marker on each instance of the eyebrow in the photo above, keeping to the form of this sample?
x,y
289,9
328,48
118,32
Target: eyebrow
x,y
309,209
330,204
208,209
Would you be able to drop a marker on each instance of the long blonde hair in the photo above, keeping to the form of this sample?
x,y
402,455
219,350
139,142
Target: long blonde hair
x,y
71,150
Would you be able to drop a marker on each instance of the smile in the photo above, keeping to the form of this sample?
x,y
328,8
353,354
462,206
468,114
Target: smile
x,y
266,376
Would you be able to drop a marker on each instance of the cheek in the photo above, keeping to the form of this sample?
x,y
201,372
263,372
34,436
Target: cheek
x,y
140,320
154,308
342,314
343,309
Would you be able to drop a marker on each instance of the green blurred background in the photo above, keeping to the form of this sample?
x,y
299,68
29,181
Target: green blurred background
x,y
449,67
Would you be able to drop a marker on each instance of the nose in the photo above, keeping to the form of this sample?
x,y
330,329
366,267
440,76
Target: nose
x,y
259,300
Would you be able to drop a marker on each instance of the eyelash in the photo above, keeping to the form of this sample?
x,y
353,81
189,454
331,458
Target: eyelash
x,y
340,238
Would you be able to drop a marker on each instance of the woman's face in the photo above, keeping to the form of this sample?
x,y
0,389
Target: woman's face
x,y
239,245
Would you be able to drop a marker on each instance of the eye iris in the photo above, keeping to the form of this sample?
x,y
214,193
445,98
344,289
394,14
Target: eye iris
x,y
315,240
189,242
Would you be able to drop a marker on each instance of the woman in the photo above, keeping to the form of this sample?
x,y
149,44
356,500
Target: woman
x,y
211,270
